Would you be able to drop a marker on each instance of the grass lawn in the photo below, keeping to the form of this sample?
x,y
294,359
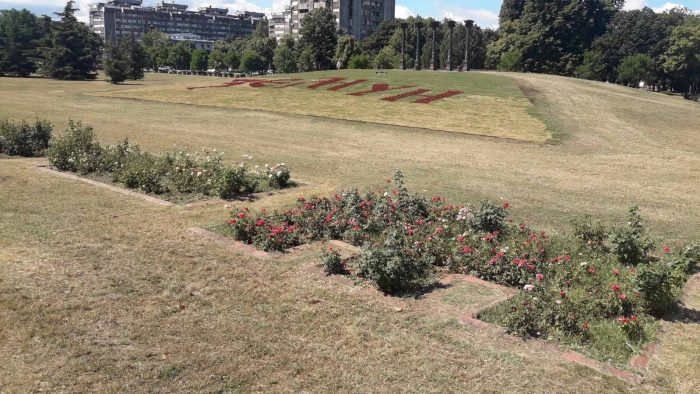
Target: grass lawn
x,y
104,292
490,105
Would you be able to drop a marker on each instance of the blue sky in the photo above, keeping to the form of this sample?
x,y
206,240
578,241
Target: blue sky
x,y
484,12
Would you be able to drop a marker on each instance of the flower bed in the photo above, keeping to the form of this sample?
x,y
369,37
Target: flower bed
x,y
179,176
595,289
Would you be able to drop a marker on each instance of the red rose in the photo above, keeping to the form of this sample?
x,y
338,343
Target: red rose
x,y
232,221
667,250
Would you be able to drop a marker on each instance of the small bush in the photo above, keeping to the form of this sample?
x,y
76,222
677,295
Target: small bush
x,y
592,234
24,139
278,176
361,61
490,218
77,150
631,243
395,266
234,182
332,263
141,171
658,287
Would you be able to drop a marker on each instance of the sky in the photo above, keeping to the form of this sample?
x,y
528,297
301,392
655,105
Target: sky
x,y
484,12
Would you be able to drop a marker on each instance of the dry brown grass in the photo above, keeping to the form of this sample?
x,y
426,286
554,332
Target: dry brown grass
x,y
92,282
473,112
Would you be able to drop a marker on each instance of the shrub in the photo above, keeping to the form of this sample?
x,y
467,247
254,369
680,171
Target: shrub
x,y
631,243
395,266
592,234
235,181
332,263
115,156
141,171
76,150
278,176
194,172
23,139
360,61
490,217
658,286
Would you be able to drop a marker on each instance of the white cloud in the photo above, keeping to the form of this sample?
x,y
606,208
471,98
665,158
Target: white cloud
x,y
402,12
634,5
484,18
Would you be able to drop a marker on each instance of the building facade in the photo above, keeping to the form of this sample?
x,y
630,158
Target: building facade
x,y
119,18
358,18
280,23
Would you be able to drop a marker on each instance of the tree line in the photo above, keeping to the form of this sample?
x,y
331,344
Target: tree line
x,y
596,39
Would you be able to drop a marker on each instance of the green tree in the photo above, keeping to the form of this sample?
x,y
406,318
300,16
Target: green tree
x,y
251,61
199,60
285,59
361,61
511,10
347,47
387,58
20,32
265,48
320,35
682,59
180,55
74,49
593,66
635,68
136,56
380,38
262,28
552,36
116,62
306,59
635,32
156,45
217,59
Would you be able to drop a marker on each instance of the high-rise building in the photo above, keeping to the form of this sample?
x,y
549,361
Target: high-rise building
x,y
280,23
118,18
358,18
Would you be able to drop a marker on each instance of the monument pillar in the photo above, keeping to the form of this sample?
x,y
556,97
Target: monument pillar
x,y
433,59
468,24
416,62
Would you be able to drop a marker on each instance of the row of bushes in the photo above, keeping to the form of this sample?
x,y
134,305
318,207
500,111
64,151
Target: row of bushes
x,y
24,139
178,171
572,285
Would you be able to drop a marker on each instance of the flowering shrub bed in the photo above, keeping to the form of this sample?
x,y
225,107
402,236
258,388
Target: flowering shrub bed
x,y
587,289
180,172
24,139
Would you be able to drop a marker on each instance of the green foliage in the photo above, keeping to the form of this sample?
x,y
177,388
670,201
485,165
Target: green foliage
x,y
332,263
278,176
235,181
73,51
319,35
347,47
395,266
116,63
660,289
682,59
387,59
380,38
140,171
511,61
20,32
360,61
631,243
199,60
285,58
180,56
592,234
306,60
156,46
593,66
251,61
490,218
24,139
77,150
636,68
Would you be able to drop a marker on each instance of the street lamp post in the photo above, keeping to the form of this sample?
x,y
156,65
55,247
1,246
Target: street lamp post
x,y
433,59
404,26
450,25
416,62
468,27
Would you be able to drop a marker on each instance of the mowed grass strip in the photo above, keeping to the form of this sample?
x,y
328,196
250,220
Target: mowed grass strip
x,y
490,105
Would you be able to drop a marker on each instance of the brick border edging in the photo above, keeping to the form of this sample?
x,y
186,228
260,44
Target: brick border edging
x,y
121,190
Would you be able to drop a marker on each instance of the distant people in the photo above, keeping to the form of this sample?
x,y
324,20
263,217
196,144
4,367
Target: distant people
x,y
339,65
